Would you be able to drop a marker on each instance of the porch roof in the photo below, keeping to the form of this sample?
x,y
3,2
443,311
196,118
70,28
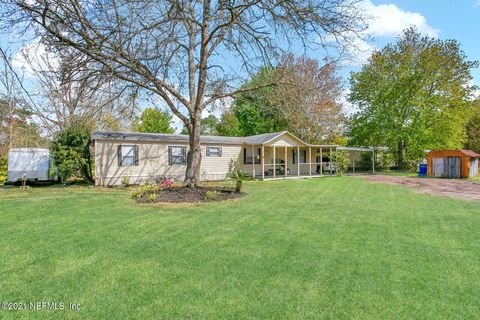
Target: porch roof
x,y
269,139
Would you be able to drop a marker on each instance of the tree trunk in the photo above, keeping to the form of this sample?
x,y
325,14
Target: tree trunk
x,y
194,156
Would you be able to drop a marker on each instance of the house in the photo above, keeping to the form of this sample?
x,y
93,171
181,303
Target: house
x,y
452,163
141,156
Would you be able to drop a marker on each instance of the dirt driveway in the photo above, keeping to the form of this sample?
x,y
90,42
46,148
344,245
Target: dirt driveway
x,y
453,188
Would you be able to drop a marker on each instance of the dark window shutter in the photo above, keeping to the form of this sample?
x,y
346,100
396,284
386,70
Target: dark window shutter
x,y
293,156
220,152
119,155
169,155
244,155
136,154
184,152
208,151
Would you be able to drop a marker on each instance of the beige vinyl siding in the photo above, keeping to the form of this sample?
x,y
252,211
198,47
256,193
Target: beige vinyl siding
x,y
216,168
153,162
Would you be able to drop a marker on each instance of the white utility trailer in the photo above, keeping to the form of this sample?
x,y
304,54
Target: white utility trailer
x,y
33,164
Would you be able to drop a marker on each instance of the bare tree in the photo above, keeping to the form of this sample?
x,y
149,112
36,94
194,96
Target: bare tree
x,y
69,92
179,49
308,98
17,127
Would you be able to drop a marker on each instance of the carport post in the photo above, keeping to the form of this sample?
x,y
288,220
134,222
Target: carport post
x,y
310,161
321,161
373,160
263,162
253,162
330,162
274,161
298,160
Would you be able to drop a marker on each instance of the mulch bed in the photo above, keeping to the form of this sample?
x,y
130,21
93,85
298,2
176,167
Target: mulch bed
x,y
188,195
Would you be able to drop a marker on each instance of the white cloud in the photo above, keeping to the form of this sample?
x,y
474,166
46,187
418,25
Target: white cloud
x,y
34,56
389,20
476,3
386,21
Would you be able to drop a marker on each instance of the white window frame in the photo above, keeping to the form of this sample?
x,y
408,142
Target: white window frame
x,y
177,159
217,153
127,155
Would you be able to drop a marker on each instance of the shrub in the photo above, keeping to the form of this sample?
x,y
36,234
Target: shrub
x,y
70,152
211,194
144,191
152,197
126,181
342,161
3,170
167,183
239,176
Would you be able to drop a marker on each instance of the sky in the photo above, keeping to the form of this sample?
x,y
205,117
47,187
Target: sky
x,y
444,19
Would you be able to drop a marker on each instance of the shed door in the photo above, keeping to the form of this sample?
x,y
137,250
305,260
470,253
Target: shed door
x,y
473,168
451,167
438,167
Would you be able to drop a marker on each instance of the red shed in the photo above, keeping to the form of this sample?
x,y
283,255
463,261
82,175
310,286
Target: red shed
x,y
453,163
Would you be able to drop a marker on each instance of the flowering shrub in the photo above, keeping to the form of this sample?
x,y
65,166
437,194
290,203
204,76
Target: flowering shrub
x,y
167,183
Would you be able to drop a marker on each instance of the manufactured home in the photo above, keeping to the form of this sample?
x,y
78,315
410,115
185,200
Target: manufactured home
x,y
142,156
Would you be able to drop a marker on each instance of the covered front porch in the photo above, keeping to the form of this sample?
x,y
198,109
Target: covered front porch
x,y
286,156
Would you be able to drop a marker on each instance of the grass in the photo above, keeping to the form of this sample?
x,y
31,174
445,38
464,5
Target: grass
x,y
330,248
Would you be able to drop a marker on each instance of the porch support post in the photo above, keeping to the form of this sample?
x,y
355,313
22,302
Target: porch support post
x,y
298,160
321,161
253,162
274,161
310,161
373,160
286,162
263,162
353,163
330,162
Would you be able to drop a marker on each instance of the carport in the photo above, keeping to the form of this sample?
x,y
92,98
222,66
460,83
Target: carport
x,y
452,163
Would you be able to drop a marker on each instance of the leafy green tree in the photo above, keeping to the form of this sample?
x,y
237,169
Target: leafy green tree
x,y
413,95
208,126
228,125
473,130
253,109
70,152
153,120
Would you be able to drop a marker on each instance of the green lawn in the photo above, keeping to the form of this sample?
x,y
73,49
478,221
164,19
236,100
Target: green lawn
x,y
330,248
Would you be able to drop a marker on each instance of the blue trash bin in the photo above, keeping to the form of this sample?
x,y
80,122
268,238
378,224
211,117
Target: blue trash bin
x,y
422,170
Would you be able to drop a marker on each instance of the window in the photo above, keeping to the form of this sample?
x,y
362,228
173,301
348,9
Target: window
x,y
248,157
303,156
214,152
177,155
127,155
